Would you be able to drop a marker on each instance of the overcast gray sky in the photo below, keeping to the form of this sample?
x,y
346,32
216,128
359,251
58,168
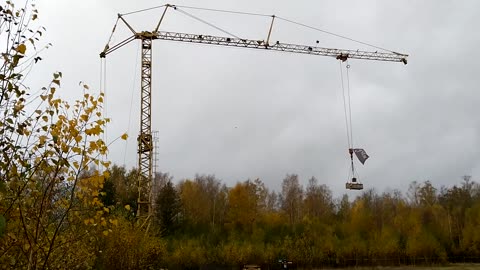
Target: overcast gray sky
x,y
240,113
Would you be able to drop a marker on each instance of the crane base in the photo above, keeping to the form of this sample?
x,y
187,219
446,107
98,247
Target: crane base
x,y
354,186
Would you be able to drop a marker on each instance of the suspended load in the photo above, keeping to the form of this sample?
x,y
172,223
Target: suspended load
x,y
362,157
354,185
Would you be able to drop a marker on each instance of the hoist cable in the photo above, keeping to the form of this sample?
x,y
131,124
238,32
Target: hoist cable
x,y
353,167
100,75
131,102
103,89
349,104
354,172
207,23
345,107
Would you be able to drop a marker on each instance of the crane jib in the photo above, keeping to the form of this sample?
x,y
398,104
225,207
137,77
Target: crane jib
x,y
340,54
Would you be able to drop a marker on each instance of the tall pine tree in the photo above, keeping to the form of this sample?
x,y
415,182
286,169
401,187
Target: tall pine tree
x,y
168,208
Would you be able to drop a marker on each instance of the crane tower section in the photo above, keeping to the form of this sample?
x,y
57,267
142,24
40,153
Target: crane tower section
x,y
145,138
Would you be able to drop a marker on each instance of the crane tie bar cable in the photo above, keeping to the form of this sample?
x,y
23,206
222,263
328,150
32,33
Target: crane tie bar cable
x,y
176,7
333,34
226,11
142,10
205,22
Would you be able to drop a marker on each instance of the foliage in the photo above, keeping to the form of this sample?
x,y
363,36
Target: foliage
x,y
128,248
46,202
168,209
372,229
243,206
49,215
292,197
204,203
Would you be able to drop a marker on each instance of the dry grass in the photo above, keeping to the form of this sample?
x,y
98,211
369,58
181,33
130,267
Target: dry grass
x,y
457,266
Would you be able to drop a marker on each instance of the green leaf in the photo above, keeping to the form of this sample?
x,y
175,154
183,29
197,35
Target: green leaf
x,y
3,224
3,187
16,58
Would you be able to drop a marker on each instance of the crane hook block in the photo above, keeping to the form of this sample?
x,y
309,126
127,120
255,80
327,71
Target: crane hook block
x,y
342,57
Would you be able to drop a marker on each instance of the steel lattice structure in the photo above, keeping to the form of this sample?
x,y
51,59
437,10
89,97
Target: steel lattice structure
x,y
145,139
340,54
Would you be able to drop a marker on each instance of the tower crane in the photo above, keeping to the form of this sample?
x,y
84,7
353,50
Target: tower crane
x,y
145,140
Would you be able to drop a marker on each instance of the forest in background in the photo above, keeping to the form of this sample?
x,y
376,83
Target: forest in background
x,y
63,205
201,221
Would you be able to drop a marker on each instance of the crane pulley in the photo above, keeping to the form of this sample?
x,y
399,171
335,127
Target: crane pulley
x,y
145,148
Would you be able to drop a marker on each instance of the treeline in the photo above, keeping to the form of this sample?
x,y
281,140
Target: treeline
x,y
201,221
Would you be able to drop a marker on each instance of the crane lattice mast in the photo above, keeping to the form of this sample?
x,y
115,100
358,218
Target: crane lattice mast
x,y
145,139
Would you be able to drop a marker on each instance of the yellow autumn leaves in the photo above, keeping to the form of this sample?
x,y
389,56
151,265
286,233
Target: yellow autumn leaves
x,y
21,48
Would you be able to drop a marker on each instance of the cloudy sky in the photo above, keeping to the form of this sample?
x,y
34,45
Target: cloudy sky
x,y
240,113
